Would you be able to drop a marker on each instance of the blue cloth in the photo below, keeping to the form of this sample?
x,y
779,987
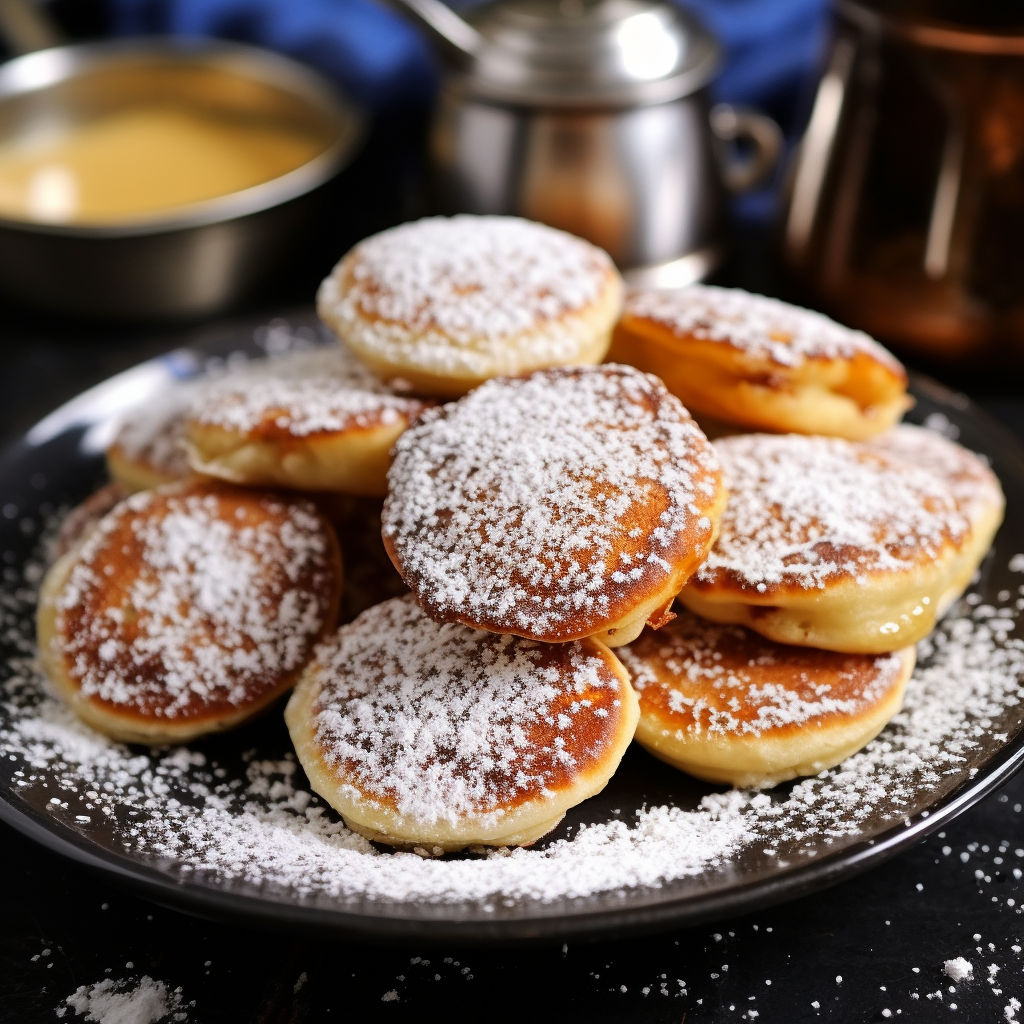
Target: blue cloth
x,y
770,46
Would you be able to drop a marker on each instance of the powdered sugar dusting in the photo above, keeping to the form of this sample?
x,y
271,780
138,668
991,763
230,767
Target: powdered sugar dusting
x,y
450,293
808,510
230,592
442,722
114,1002
318,391
972,484
762,328
189,816
727,681
153,433
544,504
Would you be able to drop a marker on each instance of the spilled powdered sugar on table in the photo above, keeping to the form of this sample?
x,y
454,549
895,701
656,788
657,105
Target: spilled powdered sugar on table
x,y
120,1002
178,810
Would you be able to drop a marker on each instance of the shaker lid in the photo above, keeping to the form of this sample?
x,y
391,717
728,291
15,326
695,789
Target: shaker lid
x,y
587,53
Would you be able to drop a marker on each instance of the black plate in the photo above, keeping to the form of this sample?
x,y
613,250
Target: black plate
x,y
59,463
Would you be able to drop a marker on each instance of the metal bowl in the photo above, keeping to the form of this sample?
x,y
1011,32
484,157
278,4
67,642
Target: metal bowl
x,y
192,260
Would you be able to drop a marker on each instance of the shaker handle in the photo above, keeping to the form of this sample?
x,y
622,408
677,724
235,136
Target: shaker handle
x,y
730,124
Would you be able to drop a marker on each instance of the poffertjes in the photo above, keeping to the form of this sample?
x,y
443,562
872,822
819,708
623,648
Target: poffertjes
x,y
149,447
833,544
727,705
188,609
973,486
574,502
746,361
442,737
314,421
446,303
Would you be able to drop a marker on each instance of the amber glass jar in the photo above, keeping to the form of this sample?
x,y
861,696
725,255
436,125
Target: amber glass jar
x,y
906,211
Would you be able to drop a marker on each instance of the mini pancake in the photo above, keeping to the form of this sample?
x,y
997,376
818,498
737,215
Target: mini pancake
x,y
442,737
314,421
149,448
574,502
726,705
974,487
447,303
188,610
832,544
754,362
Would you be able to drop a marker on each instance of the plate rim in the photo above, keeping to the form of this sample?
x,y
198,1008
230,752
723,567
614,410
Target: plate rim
x,y
203,899
605,924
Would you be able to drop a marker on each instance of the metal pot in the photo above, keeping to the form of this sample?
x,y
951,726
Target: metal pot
x,y
194,260
593,116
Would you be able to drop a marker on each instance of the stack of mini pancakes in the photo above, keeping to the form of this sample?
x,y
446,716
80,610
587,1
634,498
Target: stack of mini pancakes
x,y
562,561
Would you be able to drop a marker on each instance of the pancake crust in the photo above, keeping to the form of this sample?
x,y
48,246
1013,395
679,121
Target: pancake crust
x,y
447,303
574,502
726,705
442,737
188,609
974,487
972,484
149,449
761,364
828,543
316,421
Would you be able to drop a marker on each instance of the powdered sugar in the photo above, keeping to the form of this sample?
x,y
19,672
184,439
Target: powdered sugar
x,y
449,294
808,510
959,969
190,817
114,1002
544,505
972,484
442,722
303,393
760,327
152,434
227,596
725,680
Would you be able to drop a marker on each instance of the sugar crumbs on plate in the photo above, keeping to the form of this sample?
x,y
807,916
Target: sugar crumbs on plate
x,y
192,817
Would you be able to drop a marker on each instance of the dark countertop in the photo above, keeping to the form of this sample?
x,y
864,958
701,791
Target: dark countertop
x,y
886,934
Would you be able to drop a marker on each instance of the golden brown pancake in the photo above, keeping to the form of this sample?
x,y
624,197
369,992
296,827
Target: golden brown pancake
x,y
188,609
442,737
574,502
750,361
447,303
832,544
313,421
726,705
973,486
149,447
